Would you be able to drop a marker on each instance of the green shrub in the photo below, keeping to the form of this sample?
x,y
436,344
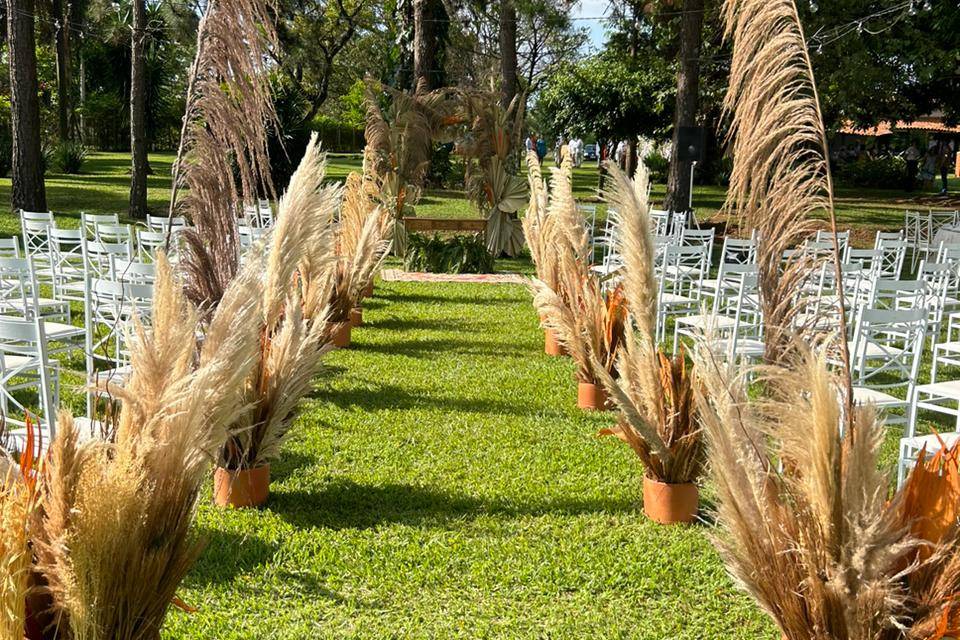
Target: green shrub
x,y
886,172
658,165
337,136
68,157
454,254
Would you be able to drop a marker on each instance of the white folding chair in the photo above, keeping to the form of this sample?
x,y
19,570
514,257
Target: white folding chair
x,y
160,224
679,286
734,302
109,310
886,358
98,256
894,253
89,222
133,271
26,368
19,297
10,248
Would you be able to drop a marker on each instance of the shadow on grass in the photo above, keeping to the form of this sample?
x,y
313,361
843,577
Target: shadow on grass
x,y
415,348
397,398
288,464
345,504
452,299
228,555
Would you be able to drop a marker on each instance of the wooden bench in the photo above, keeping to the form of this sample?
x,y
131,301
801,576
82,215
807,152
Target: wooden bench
x,y
470,225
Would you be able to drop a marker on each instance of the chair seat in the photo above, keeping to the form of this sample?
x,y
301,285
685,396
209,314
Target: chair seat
x,y
949,347
949,389
866,395
675,300
874,350
61,331
744,347
14,363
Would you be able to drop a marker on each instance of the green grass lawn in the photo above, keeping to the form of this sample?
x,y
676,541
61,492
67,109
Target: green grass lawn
x,y
440,482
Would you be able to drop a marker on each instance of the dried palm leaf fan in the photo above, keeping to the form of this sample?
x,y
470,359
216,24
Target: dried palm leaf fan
x,y
116,535
498,194
291,285
587,322
400,131
806,526
653,392
222,160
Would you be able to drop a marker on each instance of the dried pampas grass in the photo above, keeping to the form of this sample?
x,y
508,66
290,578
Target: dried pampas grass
x,y
18,508
228,114
291,286
653,392
116,537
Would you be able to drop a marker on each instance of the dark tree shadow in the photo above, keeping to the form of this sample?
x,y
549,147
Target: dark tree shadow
x,y
227,555
344,504
288,464
422,347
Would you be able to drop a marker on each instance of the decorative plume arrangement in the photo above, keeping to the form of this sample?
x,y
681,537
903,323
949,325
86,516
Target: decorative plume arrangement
x,y
113,538
781,175
229,112
818,545
291,285
586,321
362,243
653,392
805,523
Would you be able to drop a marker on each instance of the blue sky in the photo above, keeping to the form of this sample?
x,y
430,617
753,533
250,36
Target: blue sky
x,y
592,8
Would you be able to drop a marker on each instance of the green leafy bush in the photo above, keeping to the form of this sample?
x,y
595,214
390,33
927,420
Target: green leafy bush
x,y
68,157
658,165
886,172
454,254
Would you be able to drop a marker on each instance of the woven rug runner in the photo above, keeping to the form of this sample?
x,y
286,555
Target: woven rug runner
x,y
396,275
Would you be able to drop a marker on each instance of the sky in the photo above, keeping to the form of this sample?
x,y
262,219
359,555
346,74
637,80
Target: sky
x,y
591,9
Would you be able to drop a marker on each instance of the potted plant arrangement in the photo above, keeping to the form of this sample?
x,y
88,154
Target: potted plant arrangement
x,y
538,231
292,285
653,391
113,532
588,321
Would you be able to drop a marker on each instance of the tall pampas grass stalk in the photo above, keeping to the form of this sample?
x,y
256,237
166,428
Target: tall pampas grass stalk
x,y
116,536
538,226
228,114
781,172
18,509
654,393
291,284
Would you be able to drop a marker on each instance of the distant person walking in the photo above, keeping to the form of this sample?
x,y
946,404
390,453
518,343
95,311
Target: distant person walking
x,y
541,149
531,143
912,157
929,169
947,162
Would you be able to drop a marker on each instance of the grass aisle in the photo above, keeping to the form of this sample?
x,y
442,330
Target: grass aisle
x,y
441,483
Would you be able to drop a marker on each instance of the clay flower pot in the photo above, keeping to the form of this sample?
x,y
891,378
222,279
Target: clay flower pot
x,y
592,397
670,503
550,345
341,335
241,488
356,317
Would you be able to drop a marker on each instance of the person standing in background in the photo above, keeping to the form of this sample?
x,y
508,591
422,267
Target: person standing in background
x,y
947,161
541,149
912,158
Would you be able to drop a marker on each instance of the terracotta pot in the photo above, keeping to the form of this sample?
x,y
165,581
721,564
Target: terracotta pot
x,y
241,488
341,335
356,317
670,503
550,345
592,397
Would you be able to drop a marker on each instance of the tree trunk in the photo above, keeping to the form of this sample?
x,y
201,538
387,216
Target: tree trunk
x,y
429,22
403,79
61,37
688,93
138,141
508,52
27,163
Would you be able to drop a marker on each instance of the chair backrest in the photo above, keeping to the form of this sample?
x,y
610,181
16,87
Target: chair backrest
x,y
898,295
24,350
843,239
888,235
108,309
35,227
18,288
698,237
150,242
89,221
942,218
888,348
98,256
114,233
250,235
10,247
684,268
162,223
659,221
894,253
66,263
133,271
939,277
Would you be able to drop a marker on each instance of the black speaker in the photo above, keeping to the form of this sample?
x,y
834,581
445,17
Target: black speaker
x,y
690,144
